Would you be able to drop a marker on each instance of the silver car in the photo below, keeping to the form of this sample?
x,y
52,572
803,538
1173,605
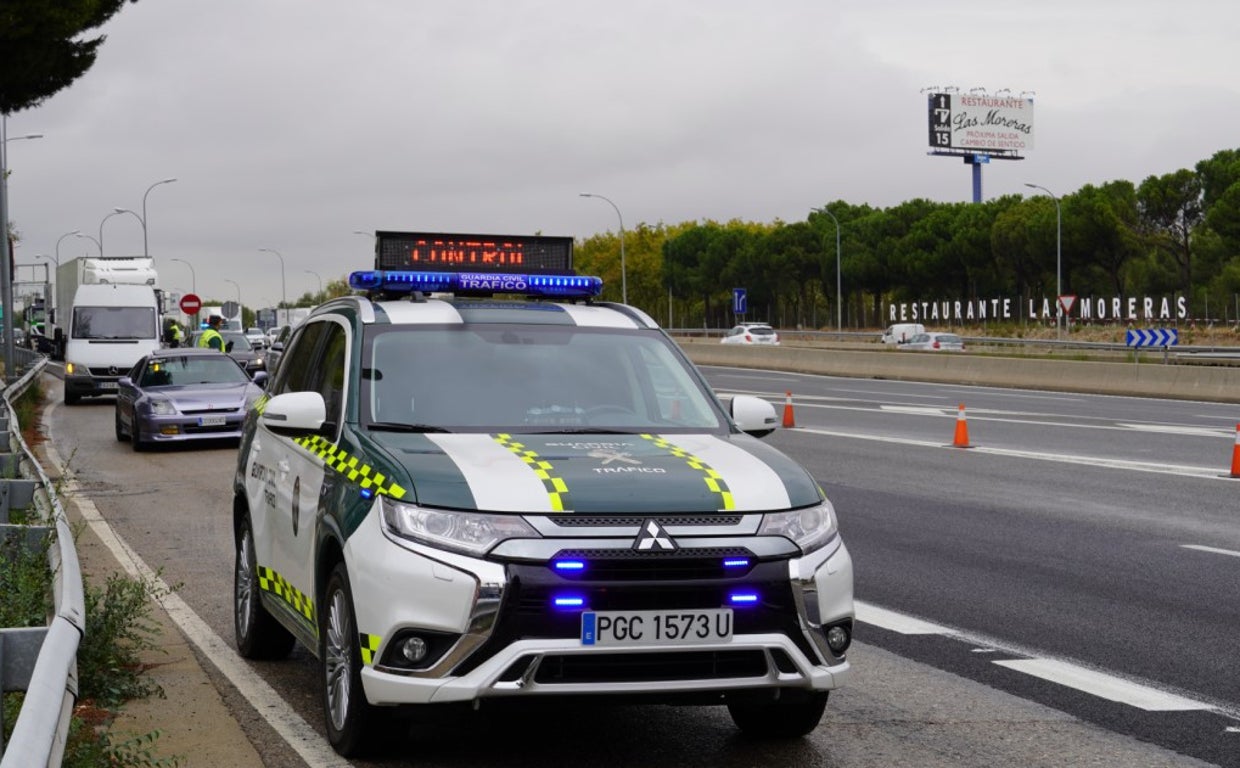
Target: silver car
x,y
180,395
752,333
934,342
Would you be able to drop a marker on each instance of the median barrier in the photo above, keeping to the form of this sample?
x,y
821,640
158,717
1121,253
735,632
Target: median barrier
x,y
1180,382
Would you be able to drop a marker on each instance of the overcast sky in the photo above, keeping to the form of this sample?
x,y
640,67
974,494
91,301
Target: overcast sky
x,y
289,124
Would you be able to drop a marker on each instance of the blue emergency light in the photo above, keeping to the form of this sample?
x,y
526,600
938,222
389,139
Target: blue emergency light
x,y
545,286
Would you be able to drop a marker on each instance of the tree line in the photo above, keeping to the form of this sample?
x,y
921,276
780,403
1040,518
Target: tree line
x,y
1175,234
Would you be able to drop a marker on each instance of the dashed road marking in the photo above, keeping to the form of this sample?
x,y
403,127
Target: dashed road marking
x,y
1105,686
1215,550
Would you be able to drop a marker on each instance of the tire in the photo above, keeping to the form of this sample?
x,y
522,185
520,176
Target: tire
x,y
71,399
135,433
792,715
352,723
258,634
120,433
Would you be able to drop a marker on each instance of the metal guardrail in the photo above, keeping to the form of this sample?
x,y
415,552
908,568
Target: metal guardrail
x,y
42,661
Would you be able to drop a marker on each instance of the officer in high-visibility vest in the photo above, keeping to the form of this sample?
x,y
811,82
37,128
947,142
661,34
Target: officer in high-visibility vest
x,y
212,338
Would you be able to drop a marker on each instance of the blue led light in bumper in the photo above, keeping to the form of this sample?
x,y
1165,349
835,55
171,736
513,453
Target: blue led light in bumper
x,y
569,601
736,562
743,598
550,286
570,566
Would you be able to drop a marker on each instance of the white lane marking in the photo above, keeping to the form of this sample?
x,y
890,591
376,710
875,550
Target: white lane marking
x,y
1215,550
1067,673
295,731
1180,429
758,378
896,622
915,410
1213,473
1103,685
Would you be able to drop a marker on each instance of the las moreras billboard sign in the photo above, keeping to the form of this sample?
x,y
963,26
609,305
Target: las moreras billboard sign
x,y
980,122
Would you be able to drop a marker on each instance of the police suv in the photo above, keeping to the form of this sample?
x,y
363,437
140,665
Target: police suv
x,y
473,480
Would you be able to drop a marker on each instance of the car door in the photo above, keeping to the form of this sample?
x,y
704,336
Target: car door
x,y
315,361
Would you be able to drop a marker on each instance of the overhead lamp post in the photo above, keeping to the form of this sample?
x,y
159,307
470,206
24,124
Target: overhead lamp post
x,y
316,274
115,212
1058,258
62,237
839,296
283,292
98,244
145,249
192,277
137,216
240,306
6,269
624,283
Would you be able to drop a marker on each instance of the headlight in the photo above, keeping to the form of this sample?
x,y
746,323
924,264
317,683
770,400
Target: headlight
x,y
471,533
72,368
808,528
161,407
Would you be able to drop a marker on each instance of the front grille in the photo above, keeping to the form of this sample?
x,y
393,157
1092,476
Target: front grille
x,y
633,565
662,666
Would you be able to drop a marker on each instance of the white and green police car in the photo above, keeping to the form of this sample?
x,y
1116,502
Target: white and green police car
x,y
519,491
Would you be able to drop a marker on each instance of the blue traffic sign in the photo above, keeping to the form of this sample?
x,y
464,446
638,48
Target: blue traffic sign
x,y
1157,337
740,301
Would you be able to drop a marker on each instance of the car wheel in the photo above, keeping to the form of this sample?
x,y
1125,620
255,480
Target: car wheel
x,y
120,433
350,719
135,433
72,399
793,714
258,634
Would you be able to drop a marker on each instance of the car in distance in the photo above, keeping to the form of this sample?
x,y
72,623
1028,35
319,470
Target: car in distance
x,y
934,341
182,395
901,333
453,494
257,338
238,347
752,333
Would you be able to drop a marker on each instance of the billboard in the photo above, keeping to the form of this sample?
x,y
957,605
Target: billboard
x,y
980,122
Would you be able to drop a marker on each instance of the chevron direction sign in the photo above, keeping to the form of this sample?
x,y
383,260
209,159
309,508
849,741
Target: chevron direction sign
x,y
1157,337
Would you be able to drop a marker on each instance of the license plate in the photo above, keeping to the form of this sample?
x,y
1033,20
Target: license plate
x,y
210,421
107,385
711,625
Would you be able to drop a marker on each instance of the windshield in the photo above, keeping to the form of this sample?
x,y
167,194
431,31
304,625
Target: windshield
x,y
114,323
534,378
187,369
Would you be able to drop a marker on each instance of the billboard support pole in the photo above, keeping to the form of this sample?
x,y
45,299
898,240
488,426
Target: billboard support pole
x,y
977,182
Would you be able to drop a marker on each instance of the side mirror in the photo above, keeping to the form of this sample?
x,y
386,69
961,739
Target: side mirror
x,y
753,415
260,378
124,381
228,347
295,412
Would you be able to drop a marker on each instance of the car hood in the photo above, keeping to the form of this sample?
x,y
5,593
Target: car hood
x,y
610,473
206,397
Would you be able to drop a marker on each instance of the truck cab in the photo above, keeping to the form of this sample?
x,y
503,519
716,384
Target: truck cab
x,y
109,329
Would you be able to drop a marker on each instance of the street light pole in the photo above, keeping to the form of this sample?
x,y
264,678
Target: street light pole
x,y
192,277
62,237
1058,259
624,278
98,244
115,212
283,292
6,269
240,306
316,274
839,296
145,250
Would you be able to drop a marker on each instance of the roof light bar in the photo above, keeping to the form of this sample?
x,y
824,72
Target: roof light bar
x,y
549,286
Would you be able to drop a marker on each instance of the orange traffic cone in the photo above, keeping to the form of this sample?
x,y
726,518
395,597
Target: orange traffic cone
x,y
1235,455
789,421
961,439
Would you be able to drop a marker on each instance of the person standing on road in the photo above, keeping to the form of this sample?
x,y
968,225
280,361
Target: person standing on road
x,y
211,338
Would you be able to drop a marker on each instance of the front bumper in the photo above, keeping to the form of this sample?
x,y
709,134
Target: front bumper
x,y
177,428
495,634
90,385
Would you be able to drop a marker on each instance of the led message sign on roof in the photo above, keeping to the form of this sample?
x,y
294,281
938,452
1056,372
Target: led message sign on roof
x,y
434,251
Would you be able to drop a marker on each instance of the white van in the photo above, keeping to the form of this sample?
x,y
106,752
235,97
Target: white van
x,y
902,332
111,327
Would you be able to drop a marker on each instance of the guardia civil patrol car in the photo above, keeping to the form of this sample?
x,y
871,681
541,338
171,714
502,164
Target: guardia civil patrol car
x,y
473,480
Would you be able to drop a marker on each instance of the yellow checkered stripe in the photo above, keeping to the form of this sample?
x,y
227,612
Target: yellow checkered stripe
x,y
714,481
369,646
261,403
351,467
270,581
557,489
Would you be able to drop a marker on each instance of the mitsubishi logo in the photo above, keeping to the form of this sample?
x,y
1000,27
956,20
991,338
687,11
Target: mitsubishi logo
x,y
652,536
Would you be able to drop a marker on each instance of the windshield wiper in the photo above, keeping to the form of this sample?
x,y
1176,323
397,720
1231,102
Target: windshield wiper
x,y
586,431
397,426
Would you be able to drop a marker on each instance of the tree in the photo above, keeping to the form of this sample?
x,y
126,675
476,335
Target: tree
x,y
40,54
1170,208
